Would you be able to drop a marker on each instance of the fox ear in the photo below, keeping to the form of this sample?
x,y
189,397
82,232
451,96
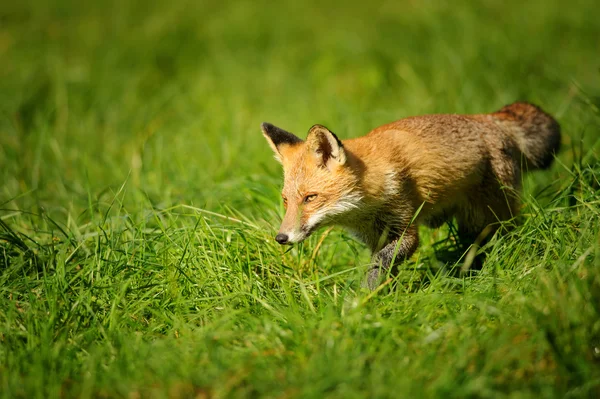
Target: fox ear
x,y
278,138
326,147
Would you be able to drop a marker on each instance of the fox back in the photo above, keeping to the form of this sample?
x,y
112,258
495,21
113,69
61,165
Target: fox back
x,y
466,167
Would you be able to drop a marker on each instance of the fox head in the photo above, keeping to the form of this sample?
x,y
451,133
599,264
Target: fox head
x,y
320,186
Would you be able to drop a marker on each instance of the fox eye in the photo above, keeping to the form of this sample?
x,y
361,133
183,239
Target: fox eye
x,y
309,198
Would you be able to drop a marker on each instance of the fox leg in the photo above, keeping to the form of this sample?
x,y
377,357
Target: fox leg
x,y
495,201
391,255
479,220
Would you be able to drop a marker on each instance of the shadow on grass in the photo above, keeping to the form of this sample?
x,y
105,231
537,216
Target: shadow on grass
x,y
451,259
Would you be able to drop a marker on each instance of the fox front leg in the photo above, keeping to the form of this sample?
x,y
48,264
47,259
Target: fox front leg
x,y
391,255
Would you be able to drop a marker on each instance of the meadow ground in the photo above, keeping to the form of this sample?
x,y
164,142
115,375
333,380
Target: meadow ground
x,y
139,202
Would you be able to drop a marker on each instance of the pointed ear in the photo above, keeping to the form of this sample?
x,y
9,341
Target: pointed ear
x,y
326,147
278,138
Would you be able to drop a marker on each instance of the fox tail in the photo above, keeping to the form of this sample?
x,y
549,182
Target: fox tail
x,y
536,132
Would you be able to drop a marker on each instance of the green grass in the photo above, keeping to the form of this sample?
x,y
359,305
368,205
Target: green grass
x,y
138,202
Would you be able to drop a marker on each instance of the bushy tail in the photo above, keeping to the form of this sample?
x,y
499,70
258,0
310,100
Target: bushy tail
x,y
536,133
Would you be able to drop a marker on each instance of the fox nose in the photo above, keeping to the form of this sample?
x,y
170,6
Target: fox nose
x,y
281,238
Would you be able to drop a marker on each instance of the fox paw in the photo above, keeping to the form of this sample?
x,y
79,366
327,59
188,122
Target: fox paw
x,y
373,278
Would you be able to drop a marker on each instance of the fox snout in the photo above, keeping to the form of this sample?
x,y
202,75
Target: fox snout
x,y
292,237
289,235
282,238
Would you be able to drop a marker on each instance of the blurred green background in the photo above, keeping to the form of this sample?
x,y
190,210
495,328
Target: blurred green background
x,y
139,201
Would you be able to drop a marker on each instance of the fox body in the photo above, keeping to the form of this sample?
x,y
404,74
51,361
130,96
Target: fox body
x,y
418,170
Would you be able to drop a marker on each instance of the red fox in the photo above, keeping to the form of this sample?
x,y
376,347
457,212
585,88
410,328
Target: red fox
x,y
443,166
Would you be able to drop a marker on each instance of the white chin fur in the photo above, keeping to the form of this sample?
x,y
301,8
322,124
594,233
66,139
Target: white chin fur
x,y
294,237
346,204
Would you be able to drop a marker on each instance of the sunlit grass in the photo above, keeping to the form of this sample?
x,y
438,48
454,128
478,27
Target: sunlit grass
x,y
138,202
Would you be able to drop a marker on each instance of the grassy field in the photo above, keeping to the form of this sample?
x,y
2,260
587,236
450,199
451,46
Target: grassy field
x,y
139,200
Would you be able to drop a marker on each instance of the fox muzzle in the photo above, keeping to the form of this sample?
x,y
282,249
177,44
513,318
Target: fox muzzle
x,y
282,238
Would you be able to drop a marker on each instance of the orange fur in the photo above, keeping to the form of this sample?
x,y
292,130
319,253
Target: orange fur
x,y
463,166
